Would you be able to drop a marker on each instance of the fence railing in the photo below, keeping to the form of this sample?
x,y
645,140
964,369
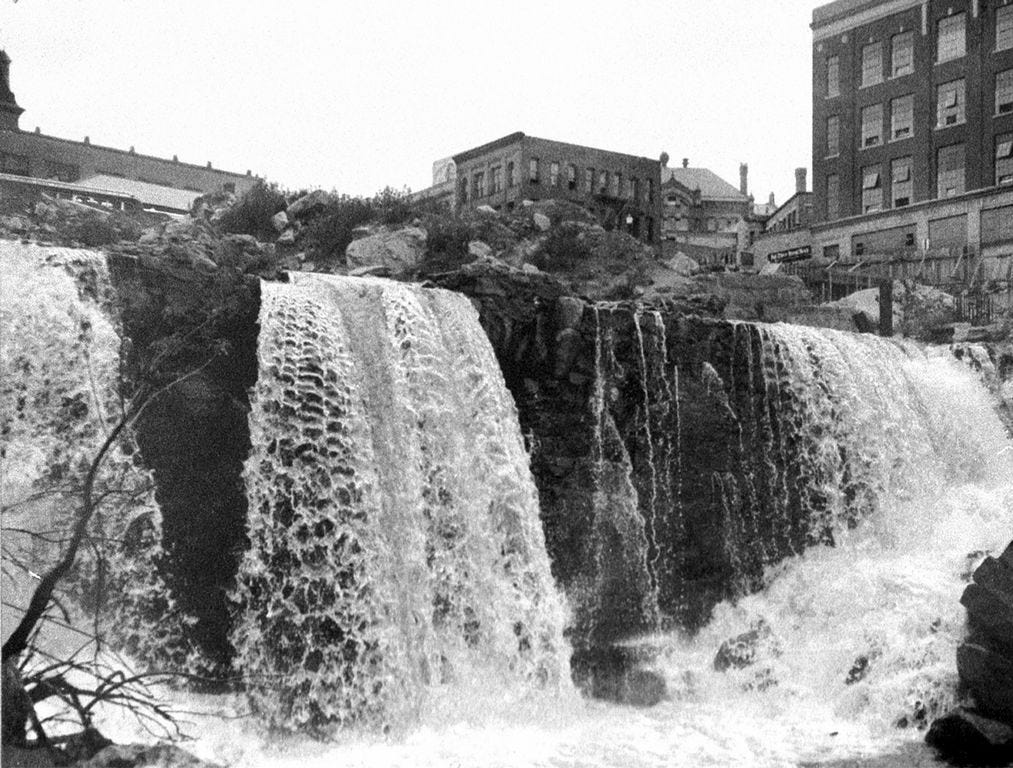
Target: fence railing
x,y
978,298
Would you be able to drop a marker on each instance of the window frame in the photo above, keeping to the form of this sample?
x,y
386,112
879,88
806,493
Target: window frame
x,y
905,184
872,65
1004,27
833,149
894,115
955,107
909,38
1004,89
941,172
872,188
959,50
534,171
833,183
833,83
870,138
1003,158
554,173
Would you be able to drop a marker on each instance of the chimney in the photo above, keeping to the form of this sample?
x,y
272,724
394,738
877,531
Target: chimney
x,y
664,159
770,201
685,162
744,178
800,174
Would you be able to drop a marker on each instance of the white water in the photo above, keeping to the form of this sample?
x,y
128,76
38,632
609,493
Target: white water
x,y
942,470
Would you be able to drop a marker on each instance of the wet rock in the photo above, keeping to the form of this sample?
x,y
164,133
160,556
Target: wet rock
x,y
619,674
741,650
985,659
964,737
569,311
567,345
146,756
542,222
858,670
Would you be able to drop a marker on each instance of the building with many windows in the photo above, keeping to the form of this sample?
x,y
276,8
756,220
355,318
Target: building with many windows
x,y
913,136
86,169
517,167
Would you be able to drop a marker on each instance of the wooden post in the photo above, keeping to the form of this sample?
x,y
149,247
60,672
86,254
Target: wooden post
x,y
886,308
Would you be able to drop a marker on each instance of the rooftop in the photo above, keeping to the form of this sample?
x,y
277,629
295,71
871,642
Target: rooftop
x,y
711,186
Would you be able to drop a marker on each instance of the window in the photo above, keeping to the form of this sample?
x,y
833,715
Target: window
x,y
617,184
909,239
902,117
833,136
950,103
1004,157
872,64
497,179
61,171
15,164
951,40
833,197
872,189
1004,92
511,174
859,248
554,173
872,125
533,170
833,76
462,190
571,176
603,182
831,252
589,179
950,171
649,229
902,54
636,189
478,185
650,191
1004,28
900,182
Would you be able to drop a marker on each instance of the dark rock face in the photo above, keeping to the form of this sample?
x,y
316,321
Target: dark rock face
x,y
985,659
966,738
182,321
620,674
661,438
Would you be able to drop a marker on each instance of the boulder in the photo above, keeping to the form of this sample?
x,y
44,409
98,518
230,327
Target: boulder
x,y
287,237
985,659
742,650
619,674
399,250
486,209
307,204
279,221
479,250
964,737
542,221
682,264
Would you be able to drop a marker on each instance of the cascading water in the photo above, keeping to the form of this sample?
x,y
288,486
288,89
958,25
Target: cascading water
x,y
395,541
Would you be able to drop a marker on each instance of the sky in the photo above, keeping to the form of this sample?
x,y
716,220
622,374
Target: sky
x,y
355,96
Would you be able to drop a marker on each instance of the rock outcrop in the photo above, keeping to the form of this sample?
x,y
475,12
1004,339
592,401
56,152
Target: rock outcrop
x,y
398,250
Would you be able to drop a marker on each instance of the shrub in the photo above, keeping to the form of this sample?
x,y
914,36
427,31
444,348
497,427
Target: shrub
x,y
251,214
328,234
93,231
392,206
447,239
564,249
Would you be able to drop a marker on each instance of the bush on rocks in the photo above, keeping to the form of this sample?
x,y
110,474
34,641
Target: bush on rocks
x,y
252,213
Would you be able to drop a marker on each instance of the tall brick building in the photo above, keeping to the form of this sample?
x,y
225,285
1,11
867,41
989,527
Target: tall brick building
x,y
518,167
912,141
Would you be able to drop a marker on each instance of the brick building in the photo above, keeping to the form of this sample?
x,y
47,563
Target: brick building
x,y
157,183
502,173
913,128
912,142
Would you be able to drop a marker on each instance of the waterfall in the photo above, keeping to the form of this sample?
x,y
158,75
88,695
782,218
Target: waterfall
x,y
742,445
395,543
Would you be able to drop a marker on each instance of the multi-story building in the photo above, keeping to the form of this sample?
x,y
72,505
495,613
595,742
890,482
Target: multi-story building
x,y
155,182
502,173
913,131
705,217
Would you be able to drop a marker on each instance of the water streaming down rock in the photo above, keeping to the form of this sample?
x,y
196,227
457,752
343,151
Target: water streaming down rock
x,y
395,541
773,439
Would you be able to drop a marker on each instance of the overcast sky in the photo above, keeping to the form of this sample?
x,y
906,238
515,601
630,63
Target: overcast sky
x,y
358,95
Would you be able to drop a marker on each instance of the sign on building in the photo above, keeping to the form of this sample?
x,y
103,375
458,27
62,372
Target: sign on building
x,y
801,253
